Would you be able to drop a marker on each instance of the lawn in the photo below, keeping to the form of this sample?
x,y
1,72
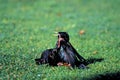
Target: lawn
x,y
27,27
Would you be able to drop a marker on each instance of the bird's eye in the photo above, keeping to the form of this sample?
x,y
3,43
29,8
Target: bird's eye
x,y
59,36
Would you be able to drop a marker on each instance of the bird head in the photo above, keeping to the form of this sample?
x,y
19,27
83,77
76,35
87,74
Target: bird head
x,y
62,36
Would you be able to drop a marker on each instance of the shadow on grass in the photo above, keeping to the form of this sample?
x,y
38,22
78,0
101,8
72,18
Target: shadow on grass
x,y
106,76
93,60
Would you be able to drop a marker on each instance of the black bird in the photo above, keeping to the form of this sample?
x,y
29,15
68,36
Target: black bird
x,y
67,52
49,57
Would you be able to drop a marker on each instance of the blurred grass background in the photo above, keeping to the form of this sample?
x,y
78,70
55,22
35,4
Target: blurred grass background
x,y
26,28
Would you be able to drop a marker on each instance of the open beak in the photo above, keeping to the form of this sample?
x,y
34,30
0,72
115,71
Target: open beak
x,y
55,34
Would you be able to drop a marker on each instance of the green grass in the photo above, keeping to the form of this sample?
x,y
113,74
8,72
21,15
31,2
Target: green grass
x,y
26,28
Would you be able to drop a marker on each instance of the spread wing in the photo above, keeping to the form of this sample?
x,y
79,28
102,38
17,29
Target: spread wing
x,y
76,53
